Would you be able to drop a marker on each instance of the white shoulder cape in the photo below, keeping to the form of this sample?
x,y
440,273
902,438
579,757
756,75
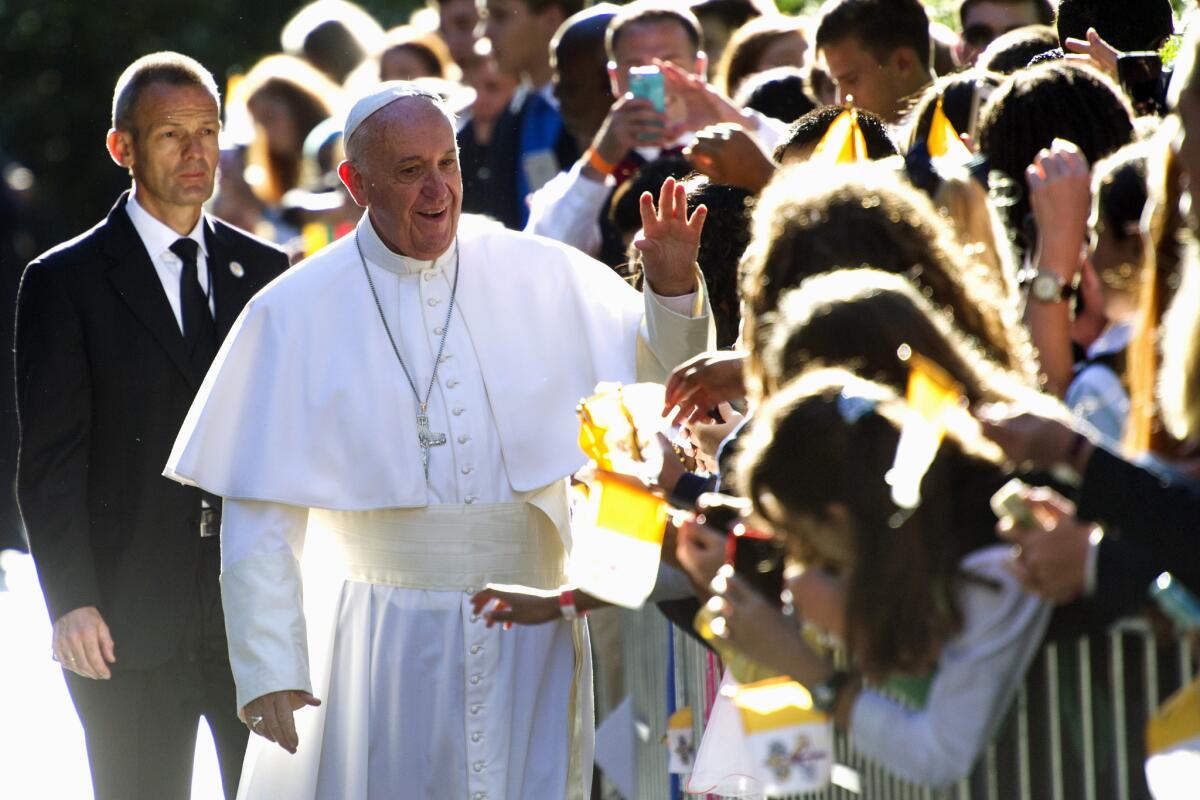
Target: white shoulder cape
x,y
302,404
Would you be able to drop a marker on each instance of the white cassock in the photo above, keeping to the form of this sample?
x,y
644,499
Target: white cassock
x,y
346,574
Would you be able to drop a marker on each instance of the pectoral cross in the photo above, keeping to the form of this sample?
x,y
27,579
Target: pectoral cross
x,y
427,438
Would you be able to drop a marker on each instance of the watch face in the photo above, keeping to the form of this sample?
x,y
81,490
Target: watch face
x,y
1046,288
823,696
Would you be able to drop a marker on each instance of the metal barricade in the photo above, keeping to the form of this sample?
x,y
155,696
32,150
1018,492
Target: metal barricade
x,y
1074,731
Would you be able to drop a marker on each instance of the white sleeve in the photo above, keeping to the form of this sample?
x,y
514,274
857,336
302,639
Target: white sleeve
x,y
261,547
567,209
676,328
770,132
977,676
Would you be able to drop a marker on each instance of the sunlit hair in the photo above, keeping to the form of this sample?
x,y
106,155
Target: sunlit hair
x,y
424,45
747,46
963,95
335,36
980,232
825,442
859,319
1035,106
1119,194
882,26
1160,280
814,218
649,12
807,131
1014,50
309,97
1179,378
172,69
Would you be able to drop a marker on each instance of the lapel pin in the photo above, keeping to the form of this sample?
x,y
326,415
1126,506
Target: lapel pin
x,y
237,269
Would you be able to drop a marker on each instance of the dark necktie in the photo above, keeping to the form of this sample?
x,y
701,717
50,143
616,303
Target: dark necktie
x,y
199,330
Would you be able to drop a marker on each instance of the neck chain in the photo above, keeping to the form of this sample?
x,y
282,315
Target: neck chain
x,y
425,435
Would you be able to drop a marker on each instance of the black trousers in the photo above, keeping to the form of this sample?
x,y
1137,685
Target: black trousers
x,y
140,725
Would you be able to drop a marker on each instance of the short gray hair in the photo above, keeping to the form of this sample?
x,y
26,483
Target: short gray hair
x,y
174,69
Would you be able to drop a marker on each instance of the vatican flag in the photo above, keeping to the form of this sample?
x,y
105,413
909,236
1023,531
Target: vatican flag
x,y
617,539
790,741
679,740
1173,746
843,143
943,141
931,397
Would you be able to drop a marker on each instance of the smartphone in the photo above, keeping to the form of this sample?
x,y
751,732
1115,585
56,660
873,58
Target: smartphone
x,y
1141,77
757,557
1007,502
646,83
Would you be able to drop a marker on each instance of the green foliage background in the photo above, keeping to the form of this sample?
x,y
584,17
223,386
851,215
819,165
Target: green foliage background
x,y
59,60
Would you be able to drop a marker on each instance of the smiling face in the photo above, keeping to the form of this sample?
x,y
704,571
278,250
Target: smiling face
x,y
403,168
171,148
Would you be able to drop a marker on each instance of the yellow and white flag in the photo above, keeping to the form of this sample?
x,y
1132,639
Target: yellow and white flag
x,y
618,536
943,140
843,143
931,397
680,745
790,741
1173,746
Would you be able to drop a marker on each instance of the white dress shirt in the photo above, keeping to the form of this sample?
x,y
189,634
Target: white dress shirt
x,y
567,208
158,237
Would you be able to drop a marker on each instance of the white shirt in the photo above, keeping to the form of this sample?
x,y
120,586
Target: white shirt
x,y
157,237
567,208
977,675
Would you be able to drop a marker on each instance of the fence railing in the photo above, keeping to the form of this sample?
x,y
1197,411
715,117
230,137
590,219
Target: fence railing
x,y
1074,731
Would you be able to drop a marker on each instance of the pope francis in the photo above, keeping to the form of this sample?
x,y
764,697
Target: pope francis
x,y
391,424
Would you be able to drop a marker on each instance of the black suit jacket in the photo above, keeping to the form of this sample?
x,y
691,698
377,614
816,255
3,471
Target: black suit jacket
x,y
103,385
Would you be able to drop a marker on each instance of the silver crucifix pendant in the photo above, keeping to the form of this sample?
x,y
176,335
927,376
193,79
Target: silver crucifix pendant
x,y
427,438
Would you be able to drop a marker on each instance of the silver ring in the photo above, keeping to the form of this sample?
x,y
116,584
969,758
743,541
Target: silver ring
x,y
255,721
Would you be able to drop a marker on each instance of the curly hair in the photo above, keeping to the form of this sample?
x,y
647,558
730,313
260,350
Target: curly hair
x,y
1035,106
814,219
858,319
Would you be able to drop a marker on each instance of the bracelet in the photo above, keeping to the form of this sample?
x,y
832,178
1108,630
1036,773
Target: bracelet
x,y
566,604
597,162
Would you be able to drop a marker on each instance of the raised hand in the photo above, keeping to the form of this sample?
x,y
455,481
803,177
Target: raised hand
x,y
272,716
703,105
729,155
670,240
1060,192
1094,52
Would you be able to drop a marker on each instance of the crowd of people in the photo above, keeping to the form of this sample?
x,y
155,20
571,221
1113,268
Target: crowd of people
x,y
350,303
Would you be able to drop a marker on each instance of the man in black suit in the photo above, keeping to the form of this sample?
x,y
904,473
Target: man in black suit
x,y
115,331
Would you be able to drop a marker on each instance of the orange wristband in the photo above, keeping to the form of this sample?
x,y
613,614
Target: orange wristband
x,y
597,162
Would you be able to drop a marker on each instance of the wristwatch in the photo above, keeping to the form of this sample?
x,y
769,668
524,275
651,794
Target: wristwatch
x,y
825,694
1046,287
